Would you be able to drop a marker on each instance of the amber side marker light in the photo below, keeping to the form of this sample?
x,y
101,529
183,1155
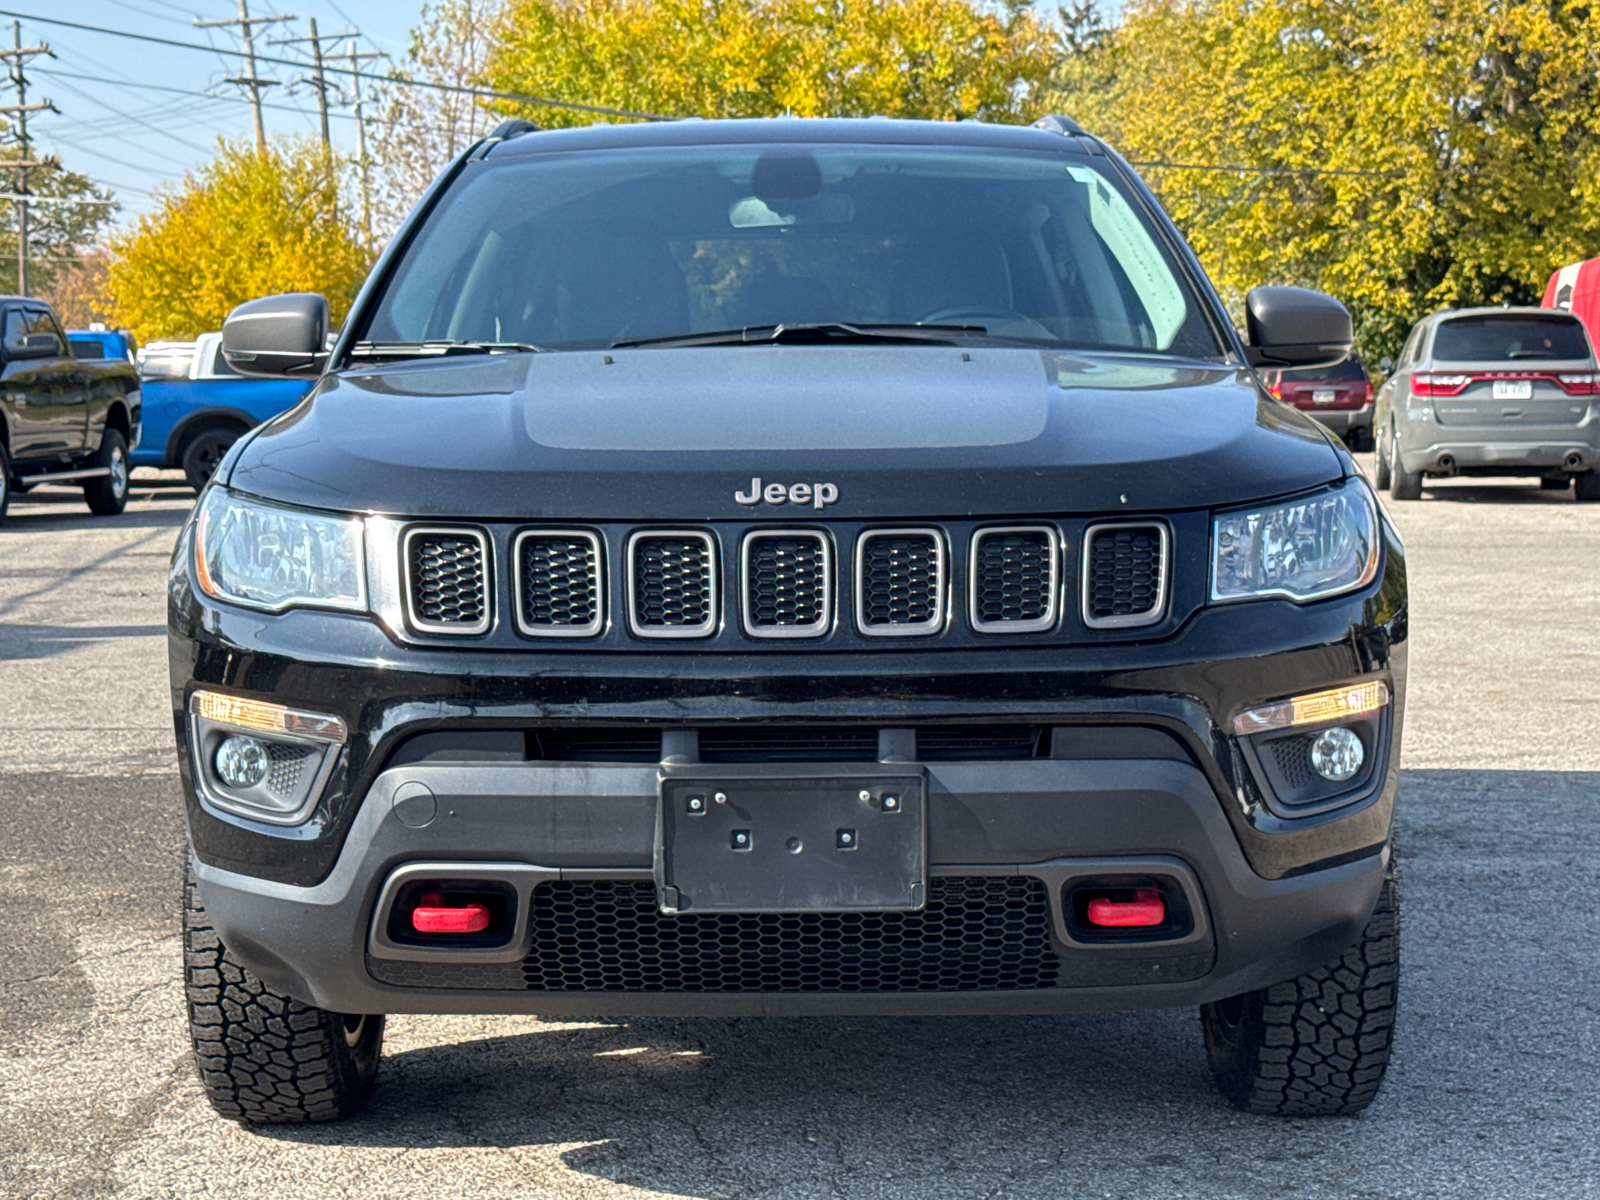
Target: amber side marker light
x,y
1317,708
264,717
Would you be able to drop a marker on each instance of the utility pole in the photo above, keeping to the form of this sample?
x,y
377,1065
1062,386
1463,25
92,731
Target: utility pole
x,y
250,79
16,59
362,161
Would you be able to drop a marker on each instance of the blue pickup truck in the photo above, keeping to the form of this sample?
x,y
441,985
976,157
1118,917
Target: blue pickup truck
x,y
196,406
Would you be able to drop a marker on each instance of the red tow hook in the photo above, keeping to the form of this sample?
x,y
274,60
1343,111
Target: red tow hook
x,y
432,916
1143,911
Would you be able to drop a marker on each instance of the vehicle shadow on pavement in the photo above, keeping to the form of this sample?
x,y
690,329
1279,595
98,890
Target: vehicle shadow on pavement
x,y
1499,868
54,517
46,641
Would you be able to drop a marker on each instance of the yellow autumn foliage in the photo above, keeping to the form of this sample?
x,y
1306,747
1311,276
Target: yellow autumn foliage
x,y
938,59
245,225
1406,155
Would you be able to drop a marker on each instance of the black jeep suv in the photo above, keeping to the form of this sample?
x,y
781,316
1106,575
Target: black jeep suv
x,y
788,567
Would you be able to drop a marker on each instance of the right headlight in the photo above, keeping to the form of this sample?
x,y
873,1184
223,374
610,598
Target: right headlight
x,y
271,557
1306,549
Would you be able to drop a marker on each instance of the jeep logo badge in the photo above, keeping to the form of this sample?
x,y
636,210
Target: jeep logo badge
x,y
818,495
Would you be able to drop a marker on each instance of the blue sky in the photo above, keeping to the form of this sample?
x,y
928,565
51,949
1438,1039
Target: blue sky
x,y
134,115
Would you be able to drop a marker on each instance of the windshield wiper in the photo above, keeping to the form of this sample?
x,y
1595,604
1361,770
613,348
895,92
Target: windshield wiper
x,y
438,349
814,333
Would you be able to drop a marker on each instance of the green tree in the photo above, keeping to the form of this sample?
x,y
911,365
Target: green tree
x,y
939,59
1404,154
68,218
248,224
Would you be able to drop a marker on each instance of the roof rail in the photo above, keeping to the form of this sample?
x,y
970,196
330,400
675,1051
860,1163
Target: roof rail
x,y
1055,123
515,127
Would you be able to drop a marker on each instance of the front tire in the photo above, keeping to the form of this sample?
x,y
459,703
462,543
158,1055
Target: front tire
x,y
264,1058
1317,1045
5,483
108,495
204,453
1380,468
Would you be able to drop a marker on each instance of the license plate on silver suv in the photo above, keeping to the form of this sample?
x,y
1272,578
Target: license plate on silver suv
x,y
1513,389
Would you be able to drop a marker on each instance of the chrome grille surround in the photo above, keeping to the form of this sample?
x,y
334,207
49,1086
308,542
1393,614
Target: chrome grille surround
x,y
934,623
709,572
1051,587
1094,576
595,583
821,601
408,589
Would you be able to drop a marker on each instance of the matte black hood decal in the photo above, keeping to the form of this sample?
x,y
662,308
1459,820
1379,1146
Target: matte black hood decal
x,y
673,434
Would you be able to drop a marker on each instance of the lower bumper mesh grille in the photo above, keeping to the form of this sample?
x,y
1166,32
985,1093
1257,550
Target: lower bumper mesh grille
x,y
976,934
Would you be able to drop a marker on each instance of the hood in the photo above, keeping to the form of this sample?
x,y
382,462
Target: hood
x,y
732,432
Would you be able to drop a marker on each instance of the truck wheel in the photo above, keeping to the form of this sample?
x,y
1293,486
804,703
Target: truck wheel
x,y
263,1058
204,452
1403,484
1586,487
1316,1045
5,483
108,494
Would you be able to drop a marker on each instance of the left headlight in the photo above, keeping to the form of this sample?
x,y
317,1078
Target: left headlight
x,y
271,557
1306,549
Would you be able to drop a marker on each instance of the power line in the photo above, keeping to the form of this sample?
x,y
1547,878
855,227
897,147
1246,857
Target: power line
x,y
17,59
251,80
157,87
456,89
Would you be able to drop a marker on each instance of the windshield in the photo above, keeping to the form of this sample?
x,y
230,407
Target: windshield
x,y
588,250
1509,339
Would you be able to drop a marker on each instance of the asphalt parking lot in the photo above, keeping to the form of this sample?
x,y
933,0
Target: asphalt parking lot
x,y
1494,1091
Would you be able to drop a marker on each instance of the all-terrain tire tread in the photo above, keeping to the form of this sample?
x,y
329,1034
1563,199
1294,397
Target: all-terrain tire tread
x,y
1320,1044
263,1058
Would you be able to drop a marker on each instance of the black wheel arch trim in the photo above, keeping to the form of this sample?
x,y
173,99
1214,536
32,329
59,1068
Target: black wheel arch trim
x,y
218,415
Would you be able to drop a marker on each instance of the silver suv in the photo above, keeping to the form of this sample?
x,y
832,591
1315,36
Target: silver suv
x,y
1492,391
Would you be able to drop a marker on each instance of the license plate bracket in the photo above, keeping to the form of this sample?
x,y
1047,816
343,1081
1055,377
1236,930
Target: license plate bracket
x,y
796,839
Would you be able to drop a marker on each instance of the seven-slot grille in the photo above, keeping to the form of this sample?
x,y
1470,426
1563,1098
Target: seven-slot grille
x,y
900,582
447,580
788,583
1124,575
558,583
672,583
1013,579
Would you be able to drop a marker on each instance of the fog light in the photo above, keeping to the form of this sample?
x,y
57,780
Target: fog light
x,y
1337,754
242,762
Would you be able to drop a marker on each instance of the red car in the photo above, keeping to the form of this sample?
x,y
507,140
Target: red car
x,y
1340,397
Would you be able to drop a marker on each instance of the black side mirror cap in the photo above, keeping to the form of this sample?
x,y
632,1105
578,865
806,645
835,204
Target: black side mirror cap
x,y
277,335
1296,327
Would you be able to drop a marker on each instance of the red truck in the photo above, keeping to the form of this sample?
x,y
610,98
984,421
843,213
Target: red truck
x,y
1577,290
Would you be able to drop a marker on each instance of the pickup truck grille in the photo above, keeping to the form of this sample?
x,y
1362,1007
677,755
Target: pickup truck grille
x,y
672,584
447,580
1013,577
788,584
1124,575
900,582
558,583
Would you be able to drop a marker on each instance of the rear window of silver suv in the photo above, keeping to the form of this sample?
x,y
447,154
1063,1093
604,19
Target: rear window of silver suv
x,y
1518,338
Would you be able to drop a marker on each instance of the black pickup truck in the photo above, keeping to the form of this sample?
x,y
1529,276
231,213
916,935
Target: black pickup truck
x,y
791,567
62,419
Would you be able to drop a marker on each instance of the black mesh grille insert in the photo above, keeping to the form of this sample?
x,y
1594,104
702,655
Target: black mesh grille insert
x,y
1012,577
671,583
1125,569
1293,755
560,577
979,743
449,579
779,744
900,580
787,582
976,934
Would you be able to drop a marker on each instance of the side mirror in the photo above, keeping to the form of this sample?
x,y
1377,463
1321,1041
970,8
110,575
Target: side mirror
x,y
1296,327
1386,365
277,335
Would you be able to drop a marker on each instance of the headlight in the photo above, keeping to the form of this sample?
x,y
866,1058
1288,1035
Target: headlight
x,y
1304,550
264,556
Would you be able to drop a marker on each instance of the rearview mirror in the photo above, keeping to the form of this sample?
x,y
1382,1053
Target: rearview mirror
x,y
277,335
1296,327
